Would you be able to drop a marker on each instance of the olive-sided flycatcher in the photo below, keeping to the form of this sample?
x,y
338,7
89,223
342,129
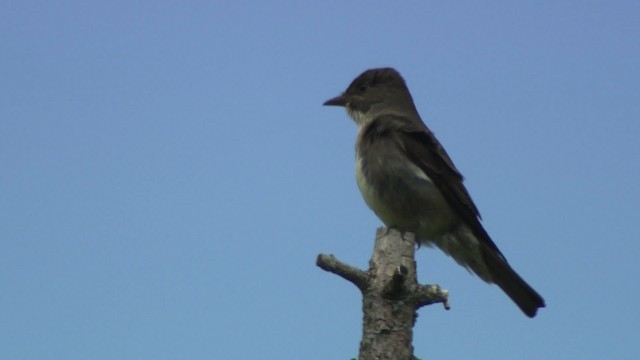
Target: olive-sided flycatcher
x,y
406,177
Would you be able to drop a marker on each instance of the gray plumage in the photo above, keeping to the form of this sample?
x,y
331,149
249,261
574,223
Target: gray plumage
x,y
407,178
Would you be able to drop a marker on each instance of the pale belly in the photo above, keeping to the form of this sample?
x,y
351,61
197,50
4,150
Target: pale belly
x,y
403,196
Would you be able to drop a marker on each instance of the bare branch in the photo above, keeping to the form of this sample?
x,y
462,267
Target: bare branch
x,y
430,294
391,295
354,275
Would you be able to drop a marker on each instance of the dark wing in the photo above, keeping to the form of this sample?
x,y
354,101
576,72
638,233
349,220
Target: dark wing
x,y
424,150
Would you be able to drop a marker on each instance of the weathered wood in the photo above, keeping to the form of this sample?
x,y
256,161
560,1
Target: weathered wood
x,y
391,295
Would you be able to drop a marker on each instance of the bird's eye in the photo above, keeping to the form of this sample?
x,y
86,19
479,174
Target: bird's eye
x,y
362,88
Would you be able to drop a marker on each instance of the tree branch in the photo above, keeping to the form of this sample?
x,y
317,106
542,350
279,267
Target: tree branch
x,y
430,294
391,295
354,275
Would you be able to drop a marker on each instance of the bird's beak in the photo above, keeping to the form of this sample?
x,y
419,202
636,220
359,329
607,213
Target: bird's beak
x,y
336,101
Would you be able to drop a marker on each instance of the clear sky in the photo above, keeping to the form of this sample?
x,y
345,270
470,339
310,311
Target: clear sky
x,y
168,174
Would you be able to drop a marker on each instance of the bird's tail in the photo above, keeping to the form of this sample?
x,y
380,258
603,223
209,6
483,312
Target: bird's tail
x,y
527,299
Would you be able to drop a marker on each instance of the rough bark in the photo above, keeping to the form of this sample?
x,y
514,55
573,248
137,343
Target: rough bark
x,y
391,295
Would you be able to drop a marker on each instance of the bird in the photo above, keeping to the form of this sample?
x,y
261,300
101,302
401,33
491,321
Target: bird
x,y
409,181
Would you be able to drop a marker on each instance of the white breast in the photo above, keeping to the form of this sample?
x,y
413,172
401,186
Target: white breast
x,y
368,192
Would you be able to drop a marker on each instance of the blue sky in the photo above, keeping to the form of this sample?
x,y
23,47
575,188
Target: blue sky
x,y
169,174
